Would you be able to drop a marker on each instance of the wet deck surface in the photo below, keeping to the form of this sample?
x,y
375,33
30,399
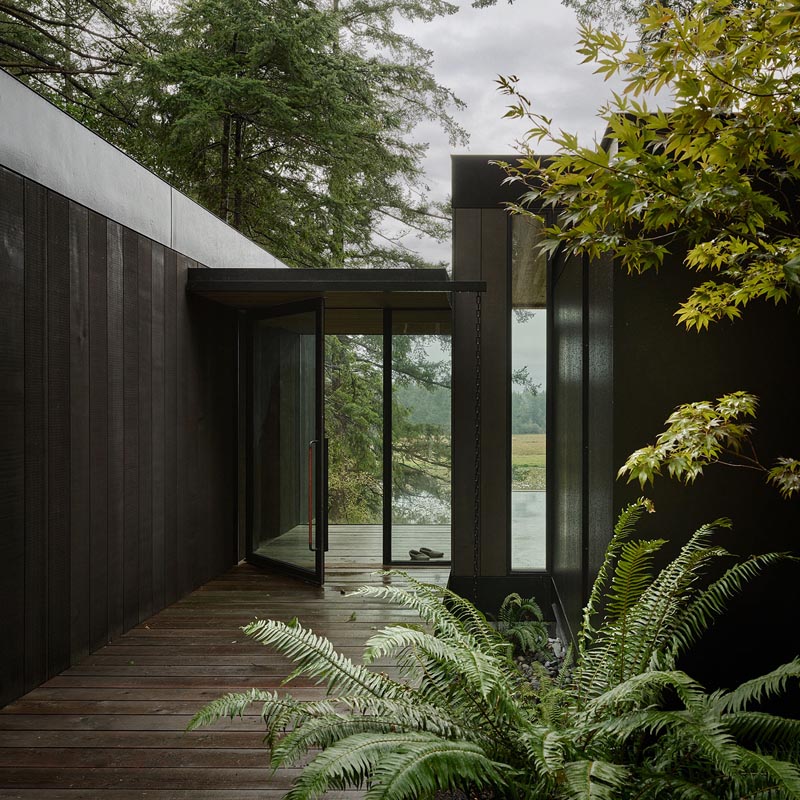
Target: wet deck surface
x,y
113,727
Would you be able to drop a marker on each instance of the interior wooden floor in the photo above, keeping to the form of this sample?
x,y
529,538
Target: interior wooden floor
x,y
113,727
359,545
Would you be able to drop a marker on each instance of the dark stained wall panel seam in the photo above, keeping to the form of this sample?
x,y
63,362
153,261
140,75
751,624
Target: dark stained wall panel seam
x,y
12,434
58,434
35,227
145,430
79,519
116,449
98,409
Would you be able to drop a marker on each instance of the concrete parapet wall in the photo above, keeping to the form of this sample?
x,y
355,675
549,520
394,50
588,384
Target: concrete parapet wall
x,y
44,144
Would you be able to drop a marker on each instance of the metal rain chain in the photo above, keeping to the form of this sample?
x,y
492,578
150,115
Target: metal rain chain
x,y
476,522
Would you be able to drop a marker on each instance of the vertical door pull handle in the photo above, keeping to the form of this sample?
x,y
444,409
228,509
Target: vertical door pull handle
x,y
311,495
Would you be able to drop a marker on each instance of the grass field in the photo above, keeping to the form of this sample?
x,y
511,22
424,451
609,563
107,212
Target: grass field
x,y
528,449
528,459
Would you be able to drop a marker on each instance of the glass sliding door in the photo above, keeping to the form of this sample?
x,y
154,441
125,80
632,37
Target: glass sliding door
x,y
286,493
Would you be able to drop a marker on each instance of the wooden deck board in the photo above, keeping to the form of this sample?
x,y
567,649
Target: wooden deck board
x,y
113,726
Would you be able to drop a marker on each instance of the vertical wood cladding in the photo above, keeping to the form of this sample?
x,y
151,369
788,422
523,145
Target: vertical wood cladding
x,y
118,415
116,439
566,442
35,435
481,253
12,432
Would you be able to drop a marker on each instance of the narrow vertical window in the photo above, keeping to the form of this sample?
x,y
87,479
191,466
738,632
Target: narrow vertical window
x,y
528,396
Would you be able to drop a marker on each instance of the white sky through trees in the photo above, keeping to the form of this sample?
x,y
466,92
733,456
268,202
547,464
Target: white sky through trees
x,y
533,39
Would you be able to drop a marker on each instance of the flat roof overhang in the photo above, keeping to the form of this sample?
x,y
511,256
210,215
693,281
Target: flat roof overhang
x,y
354,298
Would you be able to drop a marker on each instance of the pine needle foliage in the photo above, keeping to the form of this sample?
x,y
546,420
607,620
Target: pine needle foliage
x,y
624,723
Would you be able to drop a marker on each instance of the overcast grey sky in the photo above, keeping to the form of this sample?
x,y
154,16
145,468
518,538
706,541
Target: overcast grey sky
x,y
533,39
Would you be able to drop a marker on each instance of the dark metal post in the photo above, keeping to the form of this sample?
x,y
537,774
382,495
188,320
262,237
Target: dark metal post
x,y
387,435
476,542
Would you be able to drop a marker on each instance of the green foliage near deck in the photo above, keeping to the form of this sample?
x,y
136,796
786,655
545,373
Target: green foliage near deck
x,y
624,723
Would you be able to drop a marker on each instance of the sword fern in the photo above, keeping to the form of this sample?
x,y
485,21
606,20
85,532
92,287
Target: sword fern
x,y
624,724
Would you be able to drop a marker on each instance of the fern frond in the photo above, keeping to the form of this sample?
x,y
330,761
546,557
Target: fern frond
x,y
699,739
278,712
526,637
347,763
324,732
229,706
411,713
638,640
473,620
621,726
445,611
785,775
710,738
764,728
757,689
711,603
545,749
623,529
430,609
514,608
672,787
593,780
478,669
645,689
363,715
632,575
672,589
316,657
423,765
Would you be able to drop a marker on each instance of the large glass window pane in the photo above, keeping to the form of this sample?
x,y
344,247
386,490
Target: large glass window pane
x,y
354,427
528,397
421,367
284,425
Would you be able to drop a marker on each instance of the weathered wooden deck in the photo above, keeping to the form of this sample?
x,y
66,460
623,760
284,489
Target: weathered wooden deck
x,y
113,727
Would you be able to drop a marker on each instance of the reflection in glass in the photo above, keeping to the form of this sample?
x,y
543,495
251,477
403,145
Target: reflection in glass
x,y
528,396
354,427
421,463
284,424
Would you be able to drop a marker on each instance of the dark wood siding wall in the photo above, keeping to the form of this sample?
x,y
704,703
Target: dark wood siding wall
x,y
659,365
566,450
481,236
621,364
581,427
117,432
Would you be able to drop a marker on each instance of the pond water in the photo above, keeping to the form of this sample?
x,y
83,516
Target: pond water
x,y
528,544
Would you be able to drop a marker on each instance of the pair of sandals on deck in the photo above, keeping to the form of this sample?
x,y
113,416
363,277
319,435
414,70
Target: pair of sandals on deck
x,y
425,554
